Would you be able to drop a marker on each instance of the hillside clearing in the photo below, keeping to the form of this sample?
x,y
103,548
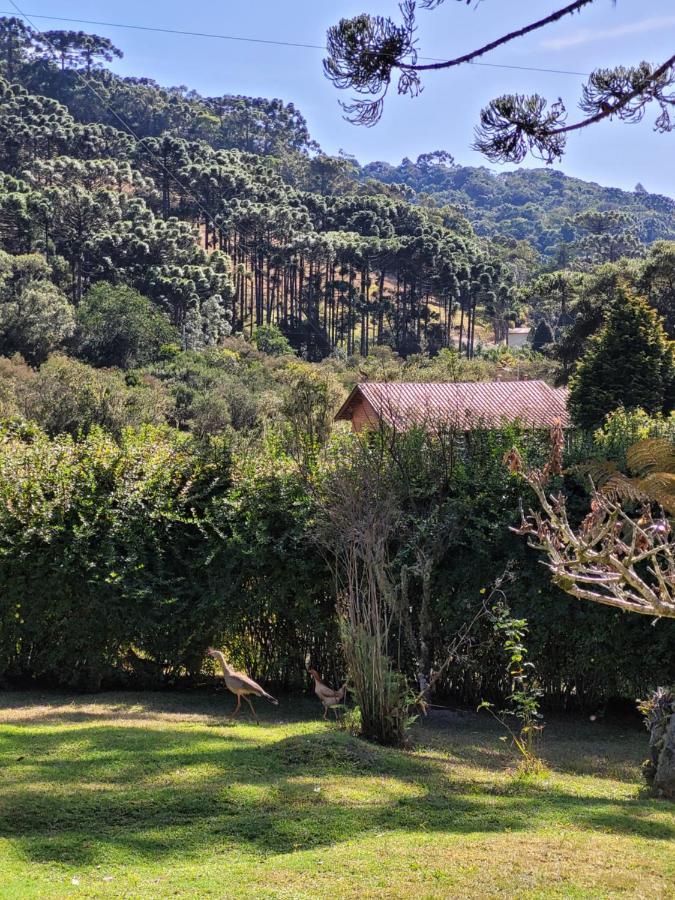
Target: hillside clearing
x,y
130,795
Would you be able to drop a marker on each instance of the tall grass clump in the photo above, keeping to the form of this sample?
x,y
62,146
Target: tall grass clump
x,y
360,517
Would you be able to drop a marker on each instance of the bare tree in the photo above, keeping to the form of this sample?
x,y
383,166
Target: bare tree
x,y
614,558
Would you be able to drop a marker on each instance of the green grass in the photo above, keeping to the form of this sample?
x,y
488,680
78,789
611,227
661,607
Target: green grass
x,y
155,795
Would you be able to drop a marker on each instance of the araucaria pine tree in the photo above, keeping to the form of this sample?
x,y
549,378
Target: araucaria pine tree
x,y
630,363
543,335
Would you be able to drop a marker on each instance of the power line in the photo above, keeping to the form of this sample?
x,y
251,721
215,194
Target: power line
x,y
178,31
520,68
250,40
125,125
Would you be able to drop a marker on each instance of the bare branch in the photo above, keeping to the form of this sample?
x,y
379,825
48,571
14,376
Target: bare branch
x,y
604,560
364,52
506,39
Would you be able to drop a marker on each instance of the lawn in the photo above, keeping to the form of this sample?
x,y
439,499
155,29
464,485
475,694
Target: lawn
x,y
160,795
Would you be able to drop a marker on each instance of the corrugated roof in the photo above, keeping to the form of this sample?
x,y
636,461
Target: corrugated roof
x,y
464,404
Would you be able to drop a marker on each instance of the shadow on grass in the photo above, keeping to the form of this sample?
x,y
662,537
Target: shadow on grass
x,y
80,793
571,745
26,709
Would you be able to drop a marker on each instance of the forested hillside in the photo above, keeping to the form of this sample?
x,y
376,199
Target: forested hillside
x,y
541,206
221,211
227,217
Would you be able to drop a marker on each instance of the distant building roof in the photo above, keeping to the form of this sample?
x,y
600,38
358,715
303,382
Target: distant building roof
x,y
466,405
525,329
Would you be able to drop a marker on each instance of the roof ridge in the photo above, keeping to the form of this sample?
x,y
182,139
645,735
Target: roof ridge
x,y
523,381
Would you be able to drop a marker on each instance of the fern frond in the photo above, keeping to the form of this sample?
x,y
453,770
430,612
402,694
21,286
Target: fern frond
x,y
620,487
660,487
599,470
651,455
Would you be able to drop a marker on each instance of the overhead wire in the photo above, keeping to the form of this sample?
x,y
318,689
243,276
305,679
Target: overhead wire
x,y
270,42
139,141
125,125
130,131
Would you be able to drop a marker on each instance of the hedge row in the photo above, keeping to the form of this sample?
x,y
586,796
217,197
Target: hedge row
x,y
122,560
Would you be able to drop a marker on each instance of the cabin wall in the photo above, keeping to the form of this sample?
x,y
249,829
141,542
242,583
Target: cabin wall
x,y
363,415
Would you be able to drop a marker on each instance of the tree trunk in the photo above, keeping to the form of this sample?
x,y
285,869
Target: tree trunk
x,y
659,769
664,782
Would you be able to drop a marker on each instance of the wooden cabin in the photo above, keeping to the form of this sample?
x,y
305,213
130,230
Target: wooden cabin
x,y
463,405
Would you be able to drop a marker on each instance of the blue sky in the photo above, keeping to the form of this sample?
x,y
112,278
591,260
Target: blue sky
x,y
443,117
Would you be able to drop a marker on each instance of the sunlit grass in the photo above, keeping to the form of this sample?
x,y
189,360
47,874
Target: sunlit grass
x,y
160,795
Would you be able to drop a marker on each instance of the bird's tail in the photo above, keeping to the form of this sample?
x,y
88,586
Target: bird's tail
x,y
270,698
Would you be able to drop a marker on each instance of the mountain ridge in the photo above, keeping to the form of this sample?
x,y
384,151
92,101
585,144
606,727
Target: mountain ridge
x,y
533,204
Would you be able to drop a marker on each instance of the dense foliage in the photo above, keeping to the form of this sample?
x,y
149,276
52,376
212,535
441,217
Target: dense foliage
x,y
333,253
122,559
541,206
630,363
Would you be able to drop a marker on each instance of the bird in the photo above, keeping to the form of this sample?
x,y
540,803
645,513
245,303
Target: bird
x,y
240,684
327,695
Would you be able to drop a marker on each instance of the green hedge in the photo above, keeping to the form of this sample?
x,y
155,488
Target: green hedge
x,y
121,560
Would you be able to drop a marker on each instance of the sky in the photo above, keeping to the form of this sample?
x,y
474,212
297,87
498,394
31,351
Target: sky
x,y
444,115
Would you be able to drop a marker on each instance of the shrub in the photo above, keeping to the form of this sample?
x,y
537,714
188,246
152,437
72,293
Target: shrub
x,y
101,553
117,326
122,558
35,319
270,339
543,335
282,607
67,396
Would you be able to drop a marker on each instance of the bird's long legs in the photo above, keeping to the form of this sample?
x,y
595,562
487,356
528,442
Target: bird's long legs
x,y
252,710
238,706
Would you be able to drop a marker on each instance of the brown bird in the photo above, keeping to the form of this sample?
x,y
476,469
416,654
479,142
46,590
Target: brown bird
x,y
327,695
240,684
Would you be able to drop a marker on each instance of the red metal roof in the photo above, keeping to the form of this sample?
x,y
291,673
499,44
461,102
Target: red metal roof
x,y
465,405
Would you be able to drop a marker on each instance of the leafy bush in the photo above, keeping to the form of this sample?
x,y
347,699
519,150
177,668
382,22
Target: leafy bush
x,y
35,316
543,335
122,558
101,553
282,607
270,339
68,396
117,326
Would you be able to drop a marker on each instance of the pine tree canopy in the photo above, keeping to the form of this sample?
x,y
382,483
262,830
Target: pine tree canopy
x,y
629,363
